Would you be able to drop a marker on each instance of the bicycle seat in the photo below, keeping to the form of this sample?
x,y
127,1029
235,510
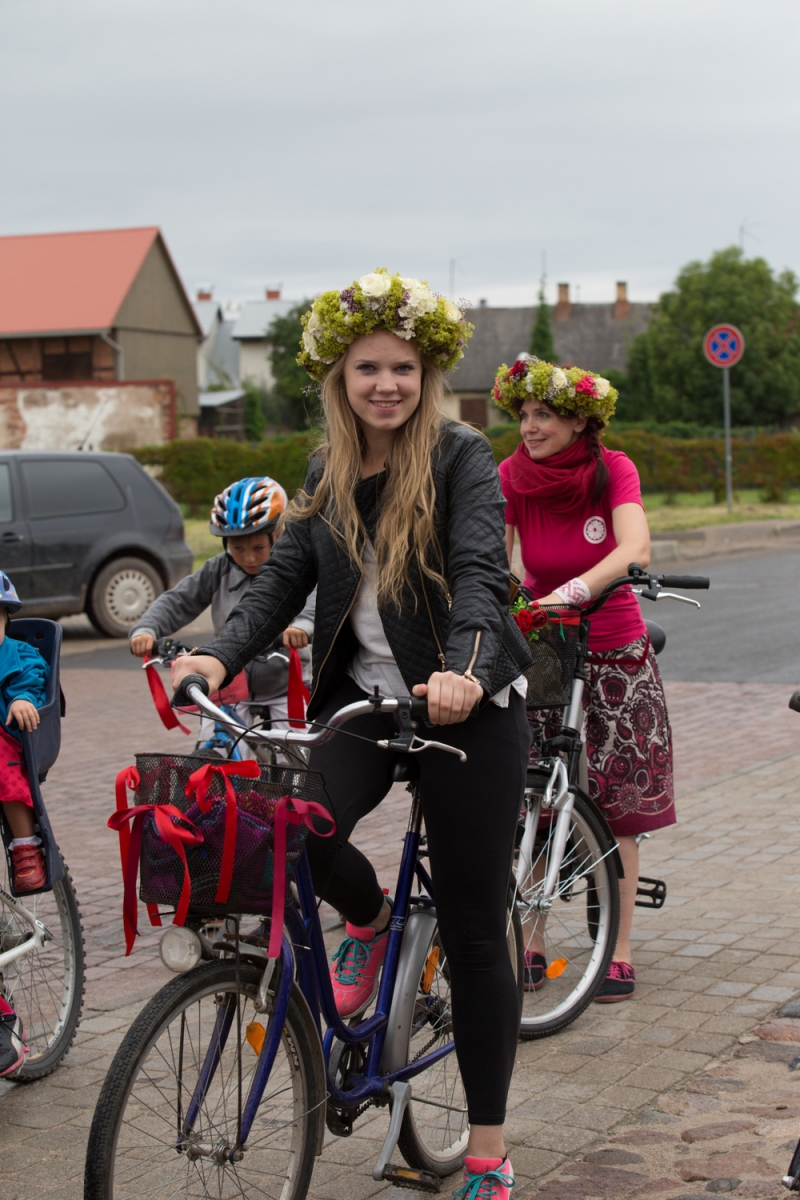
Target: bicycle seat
x,y
405,769
658,636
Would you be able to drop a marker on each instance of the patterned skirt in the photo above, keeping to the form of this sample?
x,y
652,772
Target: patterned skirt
x,y
628,740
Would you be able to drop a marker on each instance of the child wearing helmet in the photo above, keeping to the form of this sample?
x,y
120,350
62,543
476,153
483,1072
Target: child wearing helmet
x,y
23,682
245,515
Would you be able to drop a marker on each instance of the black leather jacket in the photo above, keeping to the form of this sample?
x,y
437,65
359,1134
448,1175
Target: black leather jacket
x,y
470,628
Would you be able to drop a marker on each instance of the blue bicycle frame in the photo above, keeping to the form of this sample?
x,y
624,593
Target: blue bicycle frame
x,y
303,951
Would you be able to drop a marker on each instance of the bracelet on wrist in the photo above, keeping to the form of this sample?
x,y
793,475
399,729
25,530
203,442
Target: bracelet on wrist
x,y
575,591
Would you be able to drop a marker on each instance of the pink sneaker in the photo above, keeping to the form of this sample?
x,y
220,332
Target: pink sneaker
x,y
486,1179
12,1046
356,966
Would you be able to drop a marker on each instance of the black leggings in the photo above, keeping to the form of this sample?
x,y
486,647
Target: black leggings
x,y
470,812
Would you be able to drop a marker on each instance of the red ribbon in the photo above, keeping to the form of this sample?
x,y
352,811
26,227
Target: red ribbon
x,y
297,693
130,844
197,785
289,811
163,707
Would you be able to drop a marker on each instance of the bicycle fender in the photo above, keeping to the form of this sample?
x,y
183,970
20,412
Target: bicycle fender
x,y
319,1057
599,816
413,952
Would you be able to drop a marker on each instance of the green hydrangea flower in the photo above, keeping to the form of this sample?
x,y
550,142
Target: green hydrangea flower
x,y
406,307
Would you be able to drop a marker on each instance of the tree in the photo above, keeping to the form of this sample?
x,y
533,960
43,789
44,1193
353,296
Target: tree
x,y
668,376
542,344
294,396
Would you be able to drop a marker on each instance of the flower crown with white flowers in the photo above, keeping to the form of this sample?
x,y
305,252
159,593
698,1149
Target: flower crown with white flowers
x,y
571,391
406,307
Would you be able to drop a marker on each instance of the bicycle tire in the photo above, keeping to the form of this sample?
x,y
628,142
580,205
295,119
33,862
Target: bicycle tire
x,y
580,937
424,1131
46,986
132,1143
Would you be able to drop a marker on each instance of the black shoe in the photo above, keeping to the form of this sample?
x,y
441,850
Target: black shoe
x,y
619,983
535,967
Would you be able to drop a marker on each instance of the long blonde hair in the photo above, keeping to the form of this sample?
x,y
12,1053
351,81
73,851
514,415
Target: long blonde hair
x,y
406,518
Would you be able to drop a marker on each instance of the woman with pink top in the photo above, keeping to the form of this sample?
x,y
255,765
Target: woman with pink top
x,y
577,510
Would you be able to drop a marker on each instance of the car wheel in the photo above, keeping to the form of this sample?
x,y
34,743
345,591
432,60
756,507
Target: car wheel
x,y
121,594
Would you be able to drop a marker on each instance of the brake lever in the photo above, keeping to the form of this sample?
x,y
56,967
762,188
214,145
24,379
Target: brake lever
x,y
675,596
417,745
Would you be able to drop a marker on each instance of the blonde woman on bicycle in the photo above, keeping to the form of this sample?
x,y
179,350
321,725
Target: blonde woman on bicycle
x,y
400,528
577,509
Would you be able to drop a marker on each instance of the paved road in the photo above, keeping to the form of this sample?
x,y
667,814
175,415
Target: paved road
x,y
747,630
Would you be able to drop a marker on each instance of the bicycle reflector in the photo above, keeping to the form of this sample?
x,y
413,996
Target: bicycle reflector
x,y
180,949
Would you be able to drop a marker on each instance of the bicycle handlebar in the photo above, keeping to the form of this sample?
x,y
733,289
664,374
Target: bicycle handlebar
x,y
698,582
650,585
194,689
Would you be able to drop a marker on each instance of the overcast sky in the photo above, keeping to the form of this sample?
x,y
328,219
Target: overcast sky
x,y
304,142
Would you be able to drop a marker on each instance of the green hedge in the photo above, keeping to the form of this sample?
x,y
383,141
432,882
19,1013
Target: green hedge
x,y
194,471
767,461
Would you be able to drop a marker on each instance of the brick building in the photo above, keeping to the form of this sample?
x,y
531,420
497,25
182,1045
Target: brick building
x,y
99,306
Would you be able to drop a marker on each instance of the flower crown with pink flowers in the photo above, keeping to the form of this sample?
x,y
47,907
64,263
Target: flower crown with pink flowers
x,y
571,391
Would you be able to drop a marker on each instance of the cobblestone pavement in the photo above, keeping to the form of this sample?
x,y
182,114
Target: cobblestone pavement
x,y
717,959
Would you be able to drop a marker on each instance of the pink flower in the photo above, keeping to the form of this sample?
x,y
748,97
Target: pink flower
x,y
586,387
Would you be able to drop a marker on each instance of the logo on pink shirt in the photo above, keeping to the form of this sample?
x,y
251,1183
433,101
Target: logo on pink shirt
x,y
595,529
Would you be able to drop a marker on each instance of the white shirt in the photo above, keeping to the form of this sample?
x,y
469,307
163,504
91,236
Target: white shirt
x,y
373,662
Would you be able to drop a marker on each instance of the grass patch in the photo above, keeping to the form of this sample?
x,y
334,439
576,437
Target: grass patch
x,y
690,510
202,544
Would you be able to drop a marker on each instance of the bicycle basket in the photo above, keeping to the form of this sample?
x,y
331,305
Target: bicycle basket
x,y
163,779
554,649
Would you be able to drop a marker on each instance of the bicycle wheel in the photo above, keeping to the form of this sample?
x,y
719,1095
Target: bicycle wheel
x,y
579,930
139,1145
435,1129
45,987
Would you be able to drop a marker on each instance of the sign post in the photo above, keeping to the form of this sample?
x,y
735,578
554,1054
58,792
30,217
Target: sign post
x,y
723,346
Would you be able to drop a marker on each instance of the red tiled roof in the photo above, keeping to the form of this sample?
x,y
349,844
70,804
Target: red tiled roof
x,y
66,282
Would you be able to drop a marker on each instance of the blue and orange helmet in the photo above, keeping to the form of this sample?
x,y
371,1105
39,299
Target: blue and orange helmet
x,y
248,506
9,600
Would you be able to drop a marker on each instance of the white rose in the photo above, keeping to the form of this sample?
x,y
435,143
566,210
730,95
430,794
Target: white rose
x,y
375,284
314,323
452,310
558,378
601,387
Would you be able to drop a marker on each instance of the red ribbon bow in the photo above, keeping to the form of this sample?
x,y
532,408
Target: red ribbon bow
x,y
296,692
289,810
161,701
128,822
197,785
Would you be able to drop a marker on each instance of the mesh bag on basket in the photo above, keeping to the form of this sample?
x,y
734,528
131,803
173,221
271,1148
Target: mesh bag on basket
x,y
203,834
554,648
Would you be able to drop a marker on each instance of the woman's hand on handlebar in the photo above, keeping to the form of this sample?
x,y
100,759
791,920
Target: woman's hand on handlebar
x,y
199,664
295,637
451,698
143,643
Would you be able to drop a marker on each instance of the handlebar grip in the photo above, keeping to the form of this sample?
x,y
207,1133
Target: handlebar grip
x,y
794,703
419,707
181,698
689,582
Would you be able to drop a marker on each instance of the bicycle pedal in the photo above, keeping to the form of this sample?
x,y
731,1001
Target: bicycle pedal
x,y
407,1177
654,892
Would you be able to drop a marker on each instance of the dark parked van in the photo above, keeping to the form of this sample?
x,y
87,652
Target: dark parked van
x,y
88,533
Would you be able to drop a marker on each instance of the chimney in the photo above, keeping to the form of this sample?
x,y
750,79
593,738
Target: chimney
x,y
563,307
482,302
273,293
622,305
205,291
